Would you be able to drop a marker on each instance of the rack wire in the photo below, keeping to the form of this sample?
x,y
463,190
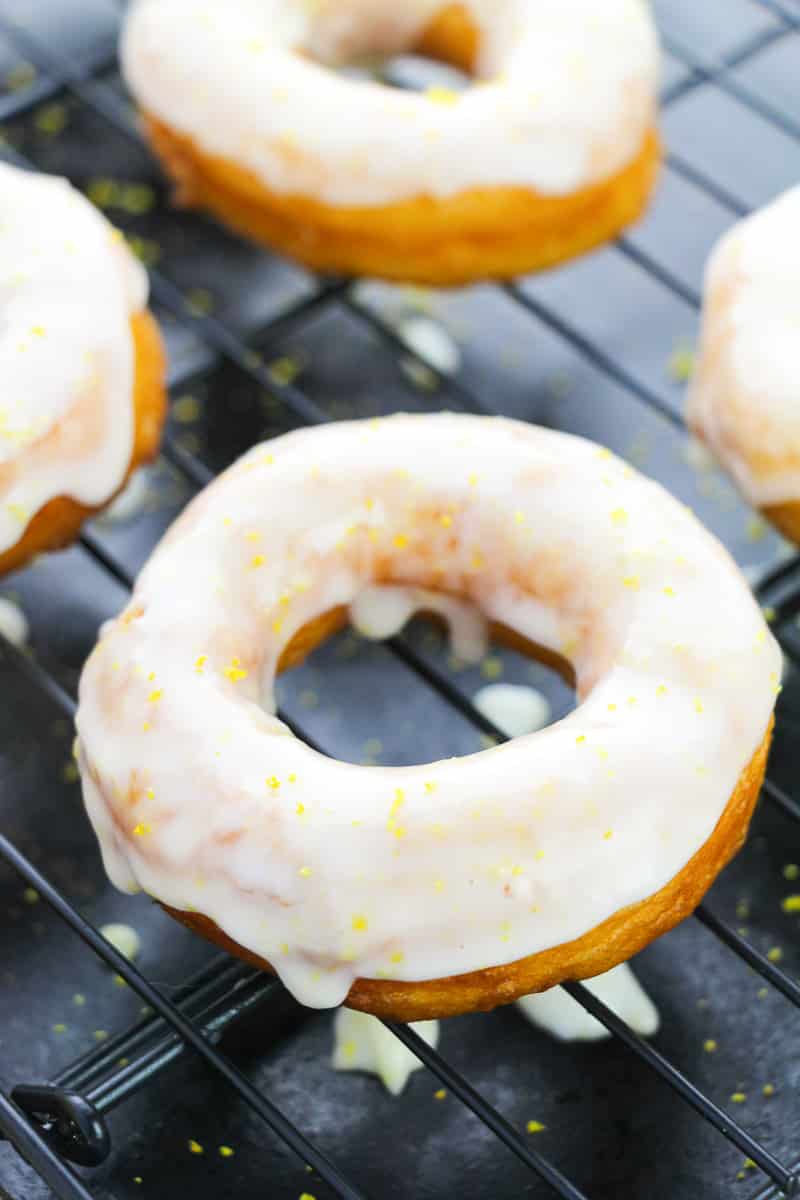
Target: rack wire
x,y
62,1122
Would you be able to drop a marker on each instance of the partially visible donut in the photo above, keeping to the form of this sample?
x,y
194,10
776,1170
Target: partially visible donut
x,y
81,360
744,397
430,890
552,151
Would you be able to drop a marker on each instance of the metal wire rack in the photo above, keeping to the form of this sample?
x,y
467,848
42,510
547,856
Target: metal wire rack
x,y
62,1122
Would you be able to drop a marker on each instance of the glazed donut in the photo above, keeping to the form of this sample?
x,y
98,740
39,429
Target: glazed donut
x,y
425,891
744,397
81,360
554,152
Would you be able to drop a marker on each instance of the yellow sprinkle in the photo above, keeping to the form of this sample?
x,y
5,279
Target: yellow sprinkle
x,y
431,786
492,667
186,409
440,1094
668,591
698,704
399,831
18,512
305,872
79,1000
60,1028
273,782
477,561
775,954
234,672
769,613
738,1097
200,662
791,904
446,520
100,1035
519,517
442,95
631,581
51,119
195,1147
619,516
150,794
397,957
359,923
756,528
709,1045
581,738
539,854
307,1196
301,808
608,834
661,690
768,1089
257,560
680,363
762,993
791,871
612,708
438,885
473,480
141,829
38,331
226,1152
146,726
400,540
535,1126
292,778
155,696
151,677
277,625
30,895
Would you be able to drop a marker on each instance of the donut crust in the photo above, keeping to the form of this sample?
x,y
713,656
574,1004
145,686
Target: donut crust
x,y
613,941
480,233
786,519
58,522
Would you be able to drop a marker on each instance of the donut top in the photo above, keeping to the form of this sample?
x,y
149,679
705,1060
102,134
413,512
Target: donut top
x,y
745,395
68,287
565,91
203,798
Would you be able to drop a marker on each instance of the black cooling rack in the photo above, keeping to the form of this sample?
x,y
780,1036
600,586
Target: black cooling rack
x,y
582,348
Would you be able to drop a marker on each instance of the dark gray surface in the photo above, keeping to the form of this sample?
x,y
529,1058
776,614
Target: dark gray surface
x,y
611,1126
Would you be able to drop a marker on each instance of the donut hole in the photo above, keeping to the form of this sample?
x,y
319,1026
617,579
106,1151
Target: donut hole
x,y
370,40
352,695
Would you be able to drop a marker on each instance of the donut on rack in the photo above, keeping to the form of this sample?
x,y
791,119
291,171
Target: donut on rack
x,y
83,368
552,151
458,885
744,397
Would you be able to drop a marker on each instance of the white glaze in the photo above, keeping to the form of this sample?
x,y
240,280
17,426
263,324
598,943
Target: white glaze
x,y
13,622
131,500
431,342
558,1014
744,398
514,708
68,287
342,871
567,93
363,1043
381,611
123,938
